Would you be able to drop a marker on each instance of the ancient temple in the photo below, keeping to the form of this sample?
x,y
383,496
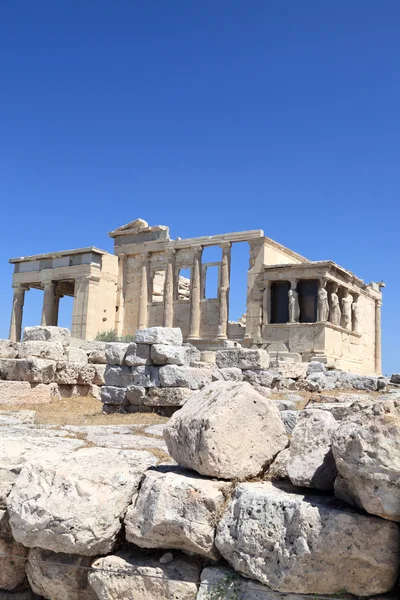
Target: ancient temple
x,y
295,308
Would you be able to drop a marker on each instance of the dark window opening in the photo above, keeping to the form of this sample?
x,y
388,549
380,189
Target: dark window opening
x,y
308,300
280,302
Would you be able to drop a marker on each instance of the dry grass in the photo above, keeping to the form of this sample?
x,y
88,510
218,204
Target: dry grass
x,y
84,411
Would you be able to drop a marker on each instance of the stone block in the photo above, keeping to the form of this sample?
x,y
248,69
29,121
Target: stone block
x,y
137,355
135,395
34,370
67,373
307,544
167,396
115,353
186,377
395,378
259,377
9,349
12,554
118,376
98,357
147,377
242,358
164,354
208,356
231,374
159,335
59,335
75,390
86,373
113,395
76,355
315,367
17,393
162,516
99,377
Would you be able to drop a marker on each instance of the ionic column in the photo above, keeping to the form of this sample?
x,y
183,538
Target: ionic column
x,y
144,293
378,339
195,295
48,304
17,311
223,291
169,290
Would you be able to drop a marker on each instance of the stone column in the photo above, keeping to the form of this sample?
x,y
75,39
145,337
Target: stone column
x,y
144,292
266,314
169,289
195,295
57,297
119,314
378,339
17,311
48,304
223,291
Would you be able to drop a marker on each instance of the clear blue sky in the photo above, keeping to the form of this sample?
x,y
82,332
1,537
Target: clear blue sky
x,y
208,117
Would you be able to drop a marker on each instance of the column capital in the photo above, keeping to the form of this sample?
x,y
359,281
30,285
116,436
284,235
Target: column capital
x,y
170,252
225,245
20,287
197,249
47,283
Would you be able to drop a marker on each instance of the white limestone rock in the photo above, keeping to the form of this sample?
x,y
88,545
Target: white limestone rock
x,y
115,353
17,417
75,505
278,469
33,370
98,356
311,463
159,335
12,563
67,373
18,393
137,355
118,376
86,373
110,394
307,544
167,396
76,355
9,349
315,367
59,335
99,376
164,354
150,579
135,395
242,358
176,509
227,430
231,374
46,350
260,377
186,377
147,377
367,455
59,576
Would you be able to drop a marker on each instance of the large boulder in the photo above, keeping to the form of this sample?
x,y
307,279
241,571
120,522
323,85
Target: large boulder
x,y
125,576
75,505
176,509
47,334
226,430
159,335
307,544
367,455
12,557
59,576
311,463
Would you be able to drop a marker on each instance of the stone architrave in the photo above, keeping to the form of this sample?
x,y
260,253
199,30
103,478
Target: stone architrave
x,y
294,306
347,301
335,313
323,304
355,308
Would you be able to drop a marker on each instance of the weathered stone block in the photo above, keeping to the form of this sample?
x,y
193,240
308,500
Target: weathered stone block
x,y
147,377
259,377
12,563
315,367
242,358
137,355
67,373
307,544
208,356
231,374
86,373
118,376
115,353
98,357
59,335
113,395
99,377
22,392
9,349
395,378
162,514
164,354
135,395
187,377
167,396
200,435
74,390
159,335
76,355
34,370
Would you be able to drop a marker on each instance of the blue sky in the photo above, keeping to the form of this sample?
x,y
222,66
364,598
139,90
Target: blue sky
x,y
208,117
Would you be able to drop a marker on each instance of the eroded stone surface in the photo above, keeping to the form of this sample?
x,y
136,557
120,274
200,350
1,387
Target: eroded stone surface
x,y
60,335
12,567
159,335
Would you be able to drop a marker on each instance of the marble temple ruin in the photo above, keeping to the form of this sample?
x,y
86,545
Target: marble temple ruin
x,y
295,307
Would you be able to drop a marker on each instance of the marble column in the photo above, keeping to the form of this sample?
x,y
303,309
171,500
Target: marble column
x,y
378,340
195,295
17,311
223,291
293,300
168,319
144,293
119,315
57,297
48,303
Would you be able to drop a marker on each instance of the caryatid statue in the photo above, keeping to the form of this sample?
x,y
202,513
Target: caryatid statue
x,y
347,301
294,306
355,307
335,313
323,304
